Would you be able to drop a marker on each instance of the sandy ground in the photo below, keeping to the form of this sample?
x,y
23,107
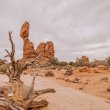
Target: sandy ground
x,y
65,98
92,83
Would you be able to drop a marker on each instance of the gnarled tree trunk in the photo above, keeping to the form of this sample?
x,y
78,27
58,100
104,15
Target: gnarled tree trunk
x,y
23,96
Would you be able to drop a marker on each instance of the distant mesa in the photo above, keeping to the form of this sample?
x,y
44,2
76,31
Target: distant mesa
x,y
45,51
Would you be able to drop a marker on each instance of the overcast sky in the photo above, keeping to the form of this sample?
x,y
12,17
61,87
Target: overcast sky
x,y
77,27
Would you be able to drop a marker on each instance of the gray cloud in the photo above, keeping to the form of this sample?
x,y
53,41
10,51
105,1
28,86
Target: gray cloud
x,y
77,27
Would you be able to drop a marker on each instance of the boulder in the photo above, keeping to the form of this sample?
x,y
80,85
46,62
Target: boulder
x,y
85,69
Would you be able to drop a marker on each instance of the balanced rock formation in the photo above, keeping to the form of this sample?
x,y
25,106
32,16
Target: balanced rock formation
x,y
28,48
45,51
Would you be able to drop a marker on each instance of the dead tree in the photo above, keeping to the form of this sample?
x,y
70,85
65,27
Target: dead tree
x,y
23,96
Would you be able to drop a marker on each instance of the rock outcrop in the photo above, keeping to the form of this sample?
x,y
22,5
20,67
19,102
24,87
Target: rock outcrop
x,y
103,67
85,69
45,51
28,48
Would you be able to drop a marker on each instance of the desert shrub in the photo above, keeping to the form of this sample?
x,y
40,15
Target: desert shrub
x,y
3,68
49,73
53,61
79,62
72,63
63,63
108,60
92,64
100,62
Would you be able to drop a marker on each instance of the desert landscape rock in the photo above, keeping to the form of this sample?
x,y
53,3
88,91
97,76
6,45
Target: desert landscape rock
x,y
102,67
28,48
45,51
85,69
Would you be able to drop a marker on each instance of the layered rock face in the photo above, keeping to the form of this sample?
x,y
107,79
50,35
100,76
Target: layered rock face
x,y
45,51
28,48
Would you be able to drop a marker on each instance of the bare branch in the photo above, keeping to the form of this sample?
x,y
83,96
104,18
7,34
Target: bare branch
x,y
31,91
6,103
48,90
9,55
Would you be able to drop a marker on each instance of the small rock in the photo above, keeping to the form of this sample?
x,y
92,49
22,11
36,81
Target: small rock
x,y
85,69
76,80
81,88
108,89
69,72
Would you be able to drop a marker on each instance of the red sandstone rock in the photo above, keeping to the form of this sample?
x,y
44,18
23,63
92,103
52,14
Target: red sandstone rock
x,y
41,49
25,30
49,49
46,51
28,48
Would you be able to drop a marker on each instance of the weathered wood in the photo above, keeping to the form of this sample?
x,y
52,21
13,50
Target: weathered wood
x,y
48,90
38,104
4,102
18,93
31,91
